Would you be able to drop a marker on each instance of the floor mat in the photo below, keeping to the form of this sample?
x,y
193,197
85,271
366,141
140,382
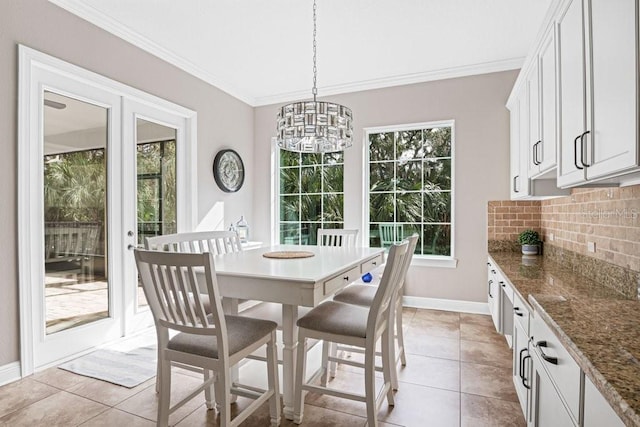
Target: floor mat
x,y
127,369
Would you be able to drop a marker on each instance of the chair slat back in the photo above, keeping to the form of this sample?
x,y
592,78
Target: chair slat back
x,y
216,242
390,233
337,237
389,284
413,242
171,287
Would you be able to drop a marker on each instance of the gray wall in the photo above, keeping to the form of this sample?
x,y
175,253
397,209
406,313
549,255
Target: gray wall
x,y
477,104
223,122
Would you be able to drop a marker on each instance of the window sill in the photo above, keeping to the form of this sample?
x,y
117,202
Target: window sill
x,y
439,262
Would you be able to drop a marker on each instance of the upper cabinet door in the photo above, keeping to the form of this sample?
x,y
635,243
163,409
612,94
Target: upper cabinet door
x,y
534,140
571,78
546,151
612,145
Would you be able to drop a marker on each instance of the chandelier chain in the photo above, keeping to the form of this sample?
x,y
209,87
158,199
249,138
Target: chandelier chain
x,y
315,68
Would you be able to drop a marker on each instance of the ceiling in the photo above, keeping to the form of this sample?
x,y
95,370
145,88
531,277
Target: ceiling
x,y
260,51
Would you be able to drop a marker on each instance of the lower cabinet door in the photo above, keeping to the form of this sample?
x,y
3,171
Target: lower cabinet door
x,y
522,368
547,407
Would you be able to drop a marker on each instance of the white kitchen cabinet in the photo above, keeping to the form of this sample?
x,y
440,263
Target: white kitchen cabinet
x,y
494,296
533,138
547,407
522,368
597,411
519,146
598,82
544,153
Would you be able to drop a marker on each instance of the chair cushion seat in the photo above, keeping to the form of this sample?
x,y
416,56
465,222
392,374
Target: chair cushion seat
x,y
357,294
270,311
242,332
337,318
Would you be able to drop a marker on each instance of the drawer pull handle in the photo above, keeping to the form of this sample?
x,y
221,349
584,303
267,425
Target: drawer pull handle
x,y
502,283
374,262
550,359
516,311
493,271
524,380
346,278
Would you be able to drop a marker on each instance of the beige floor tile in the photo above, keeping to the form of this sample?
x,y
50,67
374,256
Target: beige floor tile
x,y
434,328
437,315
483,319
416,342
418,406
479,411
481,332
107,393
486,353
59,378
20,394
488,381
431,372
145,403
61,409
114,417
346,381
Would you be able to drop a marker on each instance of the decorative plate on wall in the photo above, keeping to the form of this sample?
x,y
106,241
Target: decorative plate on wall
x,y
228,170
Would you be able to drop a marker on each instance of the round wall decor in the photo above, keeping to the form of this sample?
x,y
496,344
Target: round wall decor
x,y
228,170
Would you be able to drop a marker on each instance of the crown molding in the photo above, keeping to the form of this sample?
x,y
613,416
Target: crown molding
x,y
400,80
90,14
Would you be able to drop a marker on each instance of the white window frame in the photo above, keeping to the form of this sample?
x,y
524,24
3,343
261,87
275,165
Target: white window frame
x,y
275,190
418,260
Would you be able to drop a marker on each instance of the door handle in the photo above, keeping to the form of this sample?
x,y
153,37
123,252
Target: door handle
x,y
515,189
524,380
550,359
535,153
130,247
582,147
575,152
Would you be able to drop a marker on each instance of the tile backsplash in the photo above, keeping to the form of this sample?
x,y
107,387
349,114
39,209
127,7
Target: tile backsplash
x,y
607,217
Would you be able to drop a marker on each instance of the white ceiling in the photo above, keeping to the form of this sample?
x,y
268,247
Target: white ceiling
x,y
260,51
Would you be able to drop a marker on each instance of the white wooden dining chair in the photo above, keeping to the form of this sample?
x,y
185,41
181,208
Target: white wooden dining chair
x,y
364,295
355,326
215,242
337,237
211,341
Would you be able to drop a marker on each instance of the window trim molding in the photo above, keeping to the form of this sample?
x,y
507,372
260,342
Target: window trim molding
x,y
418,260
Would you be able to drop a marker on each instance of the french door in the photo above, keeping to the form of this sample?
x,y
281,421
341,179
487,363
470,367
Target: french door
x,y
101,166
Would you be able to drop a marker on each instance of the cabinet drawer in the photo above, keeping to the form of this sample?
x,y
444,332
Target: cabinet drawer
x,y
341,280
371,265
520,313
563,370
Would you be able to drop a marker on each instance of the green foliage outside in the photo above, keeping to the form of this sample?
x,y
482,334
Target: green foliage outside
x,y
75,188
410,185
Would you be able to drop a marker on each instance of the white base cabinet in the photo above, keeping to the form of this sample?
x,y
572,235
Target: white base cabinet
x,y
597,412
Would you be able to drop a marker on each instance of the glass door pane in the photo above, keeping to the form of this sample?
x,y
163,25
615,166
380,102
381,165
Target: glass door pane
x,y
76,283
156,183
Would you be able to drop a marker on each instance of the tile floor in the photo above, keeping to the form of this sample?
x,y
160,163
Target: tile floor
x,y
458,373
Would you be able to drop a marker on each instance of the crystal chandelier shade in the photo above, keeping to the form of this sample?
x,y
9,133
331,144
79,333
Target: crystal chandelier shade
x,y
314,126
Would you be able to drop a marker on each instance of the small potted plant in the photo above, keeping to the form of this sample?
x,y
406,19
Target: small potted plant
x,y
530,241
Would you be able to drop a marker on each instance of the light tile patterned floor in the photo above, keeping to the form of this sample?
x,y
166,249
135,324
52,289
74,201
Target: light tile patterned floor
x,y
458,373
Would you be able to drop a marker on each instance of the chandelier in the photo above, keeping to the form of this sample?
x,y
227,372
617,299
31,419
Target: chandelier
x,y
314,126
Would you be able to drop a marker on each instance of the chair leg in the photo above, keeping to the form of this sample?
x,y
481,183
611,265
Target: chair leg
x,y
223,397
298,406
272,379
333,366
327,346
162,337
370,385
209,394
400,333
165,393
389,372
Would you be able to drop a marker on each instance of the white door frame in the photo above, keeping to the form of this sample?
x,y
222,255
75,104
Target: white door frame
x,y
35,70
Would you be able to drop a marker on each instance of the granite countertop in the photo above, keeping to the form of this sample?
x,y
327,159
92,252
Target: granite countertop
x,y
599,326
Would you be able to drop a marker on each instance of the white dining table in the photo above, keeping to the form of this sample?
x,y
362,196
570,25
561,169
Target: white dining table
x,y
292,283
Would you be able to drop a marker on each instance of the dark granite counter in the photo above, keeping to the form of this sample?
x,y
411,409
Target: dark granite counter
x,y
599,326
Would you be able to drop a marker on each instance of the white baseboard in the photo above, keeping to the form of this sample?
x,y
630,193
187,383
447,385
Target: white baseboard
x,y
446,304
9,373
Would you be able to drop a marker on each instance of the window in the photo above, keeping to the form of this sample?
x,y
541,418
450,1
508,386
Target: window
x,y
311,195
410,188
